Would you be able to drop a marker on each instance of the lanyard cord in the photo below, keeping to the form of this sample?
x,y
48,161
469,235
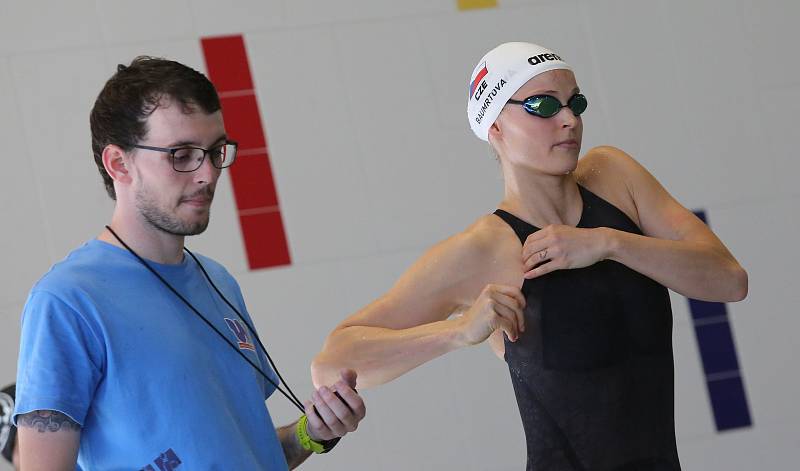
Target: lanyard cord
x,y
252,330
293,398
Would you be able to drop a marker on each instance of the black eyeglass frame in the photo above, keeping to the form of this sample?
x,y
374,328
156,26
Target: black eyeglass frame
x,y
527,104
172,150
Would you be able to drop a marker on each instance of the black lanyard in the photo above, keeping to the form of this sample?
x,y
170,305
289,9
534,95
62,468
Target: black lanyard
x,y
290,395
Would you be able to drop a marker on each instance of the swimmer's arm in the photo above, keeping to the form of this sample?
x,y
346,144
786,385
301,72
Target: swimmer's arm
x,y
381,354
678,249
409,325
48,441
498,344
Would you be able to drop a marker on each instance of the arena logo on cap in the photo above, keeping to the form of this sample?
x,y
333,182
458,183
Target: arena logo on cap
x,y
241,334
488,101
479,80
538,59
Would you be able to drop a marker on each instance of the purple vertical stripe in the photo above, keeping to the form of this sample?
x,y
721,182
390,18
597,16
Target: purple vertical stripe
x,y
720,362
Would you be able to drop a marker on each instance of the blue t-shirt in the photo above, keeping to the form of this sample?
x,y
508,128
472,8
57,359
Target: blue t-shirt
x,y
153,387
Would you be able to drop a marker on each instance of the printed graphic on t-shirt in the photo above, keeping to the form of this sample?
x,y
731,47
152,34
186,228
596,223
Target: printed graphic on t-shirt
x,y
166,461
241,334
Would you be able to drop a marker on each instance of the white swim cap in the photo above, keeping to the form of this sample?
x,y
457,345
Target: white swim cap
x,y
499,74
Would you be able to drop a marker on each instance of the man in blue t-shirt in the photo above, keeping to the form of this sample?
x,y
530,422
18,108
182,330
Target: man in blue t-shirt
x,y
136,353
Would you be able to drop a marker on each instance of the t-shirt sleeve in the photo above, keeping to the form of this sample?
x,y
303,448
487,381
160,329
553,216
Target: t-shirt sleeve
x,y
61,358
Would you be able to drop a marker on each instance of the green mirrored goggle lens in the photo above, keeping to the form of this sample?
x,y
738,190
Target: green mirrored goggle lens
x,y
543,105
546,106
577,103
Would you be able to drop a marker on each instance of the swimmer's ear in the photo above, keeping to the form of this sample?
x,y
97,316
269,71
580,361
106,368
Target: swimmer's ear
x,y
115,162
495,132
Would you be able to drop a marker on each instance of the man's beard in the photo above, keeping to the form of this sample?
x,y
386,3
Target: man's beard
x,y
169,222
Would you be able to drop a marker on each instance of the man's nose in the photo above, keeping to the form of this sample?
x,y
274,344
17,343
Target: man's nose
x,y
206,173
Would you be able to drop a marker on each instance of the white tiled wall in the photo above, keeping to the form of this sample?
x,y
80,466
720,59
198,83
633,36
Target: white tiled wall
x,y
125,22
36,25
54,91
363,109
21,206
319,177
211,17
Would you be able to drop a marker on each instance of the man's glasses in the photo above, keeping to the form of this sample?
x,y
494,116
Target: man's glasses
x,y
547,106
189,159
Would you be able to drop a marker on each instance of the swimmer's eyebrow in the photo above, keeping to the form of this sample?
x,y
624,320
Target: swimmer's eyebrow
x,y
552,92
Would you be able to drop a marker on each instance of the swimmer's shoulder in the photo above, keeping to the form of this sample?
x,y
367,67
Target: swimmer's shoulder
x,y
491,248
608,172
490,235
602,166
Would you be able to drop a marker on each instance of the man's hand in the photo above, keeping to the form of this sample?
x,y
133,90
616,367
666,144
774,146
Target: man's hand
x,y
497,307
558,247
338,407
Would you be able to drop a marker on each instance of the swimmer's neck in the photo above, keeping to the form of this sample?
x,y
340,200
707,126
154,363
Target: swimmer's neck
x,y
542,199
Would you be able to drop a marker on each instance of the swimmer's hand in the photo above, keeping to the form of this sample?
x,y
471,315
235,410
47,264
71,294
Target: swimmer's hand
x,y
335,410
560,247
497,307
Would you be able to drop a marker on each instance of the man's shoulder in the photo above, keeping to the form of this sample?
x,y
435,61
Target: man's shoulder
x,y
93,273
80,266
214,268
209,262
217,275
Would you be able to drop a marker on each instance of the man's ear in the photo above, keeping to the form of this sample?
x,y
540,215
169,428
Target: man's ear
x,y
115,162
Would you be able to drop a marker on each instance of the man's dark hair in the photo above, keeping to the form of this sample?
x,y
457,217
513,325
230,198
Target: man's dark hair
x,y
133,93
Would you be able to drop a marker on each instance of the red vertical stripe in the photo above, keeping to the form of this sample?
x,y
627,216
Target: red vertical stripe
x,y
251,175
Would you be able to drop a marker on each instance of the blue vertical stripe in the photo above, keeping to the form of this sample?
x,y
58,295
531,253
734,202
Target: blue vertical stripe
x,y
720,362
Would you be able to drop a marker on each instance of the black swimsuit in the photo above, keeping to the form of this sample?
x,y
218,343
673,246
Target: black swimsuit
x,y
593,372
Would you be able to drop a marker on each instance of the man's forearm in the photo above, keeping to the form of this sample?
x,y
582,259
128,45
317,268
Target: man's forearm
x,y
292,449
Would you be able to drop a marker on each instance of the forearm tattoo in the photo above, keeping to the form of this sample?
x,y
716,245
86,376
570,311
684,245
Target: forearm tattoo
x,y
47,421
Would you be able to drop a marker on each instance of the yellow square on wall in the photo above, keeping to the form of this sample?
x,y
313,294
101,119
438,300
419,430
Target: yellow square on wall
x,y
475,4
